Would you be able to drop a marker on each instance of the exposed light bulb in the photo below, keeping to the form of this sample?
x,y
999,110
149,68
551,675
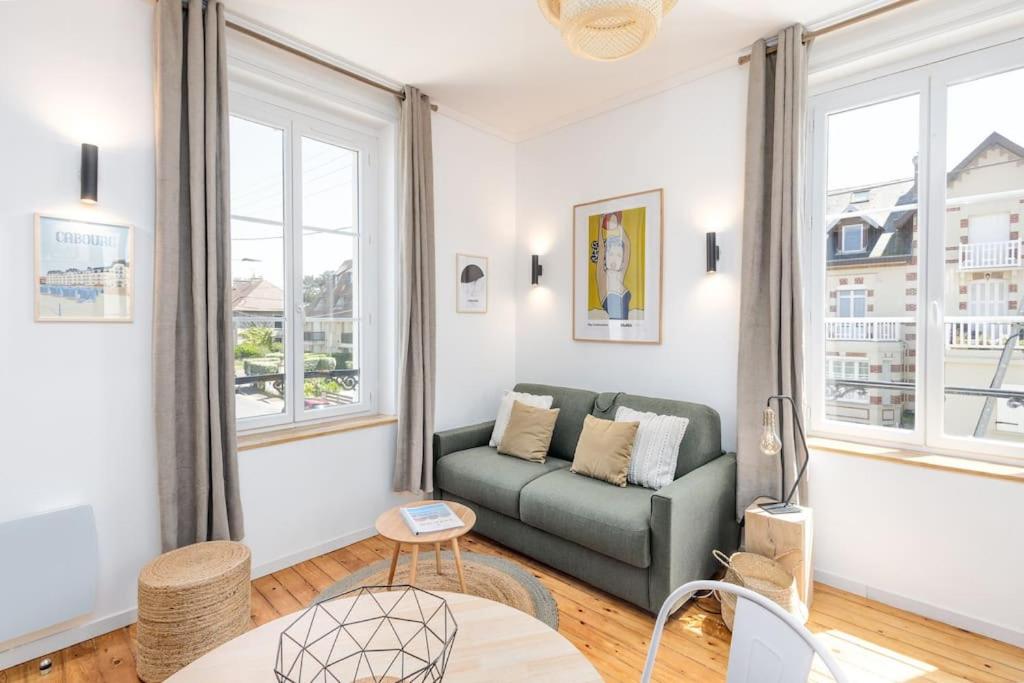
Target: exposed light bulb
x,y
770,442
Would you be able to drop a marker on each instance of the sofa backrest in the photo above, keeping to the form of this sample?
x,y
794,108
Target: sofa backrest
x,y
702,441
574,405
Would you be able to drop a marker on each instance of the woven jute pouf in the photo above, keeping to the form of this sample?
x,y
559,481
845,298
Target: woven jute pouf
x,y
190,601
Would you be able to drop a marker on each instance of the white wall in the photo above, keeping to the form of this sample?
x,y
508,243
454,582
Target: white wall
x,y
689,141
474,183
942,544
75,405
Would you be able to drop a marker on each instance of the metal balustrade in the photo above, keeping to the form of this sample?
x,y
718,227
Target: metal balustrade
x,y
989,255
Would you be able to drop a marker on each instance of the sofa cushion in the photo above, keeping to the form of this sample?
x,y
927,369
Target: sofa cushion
x,y
489,479
574,405
702,441
594,514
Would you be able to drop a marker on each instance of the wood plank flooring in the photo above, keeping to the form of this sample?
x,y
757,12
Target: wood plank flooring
x,y
874,642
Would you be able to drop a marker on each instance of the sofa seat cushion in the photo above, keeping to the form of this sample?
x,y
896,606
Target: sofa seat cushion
x,y
483,476
607,519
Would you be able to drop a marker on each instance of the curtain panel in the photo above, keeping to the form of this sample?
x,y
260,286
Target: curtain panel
x,y
771,298
193,361
414,461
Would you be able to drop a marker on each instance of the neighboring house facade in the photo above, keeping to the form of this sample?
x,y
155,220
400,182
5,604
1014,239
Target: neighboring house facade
x,y
328,309
872,287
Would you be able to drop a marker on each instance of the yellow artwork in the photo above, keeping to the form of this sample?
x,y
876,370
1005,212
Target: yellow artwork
x,y
616,264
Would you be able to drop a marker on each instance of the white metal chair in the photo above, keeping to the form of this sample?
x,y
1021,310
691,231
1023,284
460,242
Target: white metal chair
x,y
769,645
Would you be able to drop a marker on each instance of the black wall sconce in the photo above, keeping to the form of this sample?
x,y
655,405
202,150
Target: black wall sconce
x,y
536,269
90,172
713,252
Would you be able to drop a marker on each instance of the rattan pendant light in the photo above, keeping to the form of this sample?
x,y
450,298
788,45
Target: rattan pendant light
x,y
606,30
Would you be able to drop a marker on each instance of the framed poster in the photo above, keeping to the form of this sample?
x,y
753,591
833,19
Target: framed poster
x,y
471,283
83,270
617,269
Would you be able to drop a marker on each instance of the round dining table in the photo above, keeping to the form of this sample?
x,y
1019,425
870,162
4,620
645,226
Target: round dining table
x,y
494,643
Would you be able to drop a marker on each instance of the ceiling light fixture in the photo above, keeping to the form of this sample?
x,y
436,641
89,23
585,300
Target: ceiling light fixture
x,y
606,30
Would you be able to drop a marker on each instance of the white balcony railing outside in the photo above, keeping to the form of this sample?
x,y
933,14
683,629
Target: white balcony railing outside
x,y
864,329
980,332
989,255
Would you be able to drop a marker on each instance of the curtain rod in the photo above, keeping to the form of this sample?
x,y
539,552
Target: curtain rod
x,y
856,19
316,60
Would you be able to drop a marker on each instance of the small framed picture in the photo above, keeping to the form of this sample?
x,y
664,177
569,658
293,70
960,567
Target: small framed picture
x,y
83,270
617,269
471,281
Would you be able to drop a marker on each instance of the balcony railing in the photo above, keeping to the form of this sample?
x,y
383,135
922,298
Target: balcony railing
x,y
989,255
980,332
864,329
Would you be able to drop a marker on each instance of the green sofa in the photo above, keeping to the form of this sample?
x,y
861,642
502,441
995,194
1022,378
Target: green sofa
x,y
632,542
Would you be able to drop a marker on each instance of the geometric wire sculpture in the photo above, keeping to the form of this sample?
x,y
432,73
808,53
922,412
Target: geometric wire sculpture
x,y
386,633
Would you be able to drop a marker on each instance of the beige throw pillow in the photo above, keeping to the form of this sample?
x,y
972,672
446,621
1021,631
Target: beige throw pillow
x,y
604,449
528,434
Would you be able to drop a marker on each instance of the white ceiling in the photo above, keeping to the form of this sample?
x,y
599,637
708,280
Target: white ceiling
x,y
500,63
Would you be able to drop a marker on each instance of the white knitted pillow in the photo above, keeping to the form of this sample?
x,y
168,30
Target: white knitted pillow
x,y
656,448
505,411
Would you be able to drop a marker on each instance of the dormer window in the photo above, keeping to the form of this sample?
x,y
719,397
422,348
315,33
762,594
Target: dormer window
x,y
852,239
859,196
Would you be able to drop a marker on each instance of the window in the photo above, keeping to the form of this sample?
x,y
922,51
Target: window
x,y
852,239
845,369
852,303
302,221
937,156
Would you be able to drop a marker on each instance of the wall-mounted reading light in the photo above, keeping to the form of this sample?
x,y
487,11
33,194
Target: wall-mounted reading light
x,y
90,173
536,269
713,252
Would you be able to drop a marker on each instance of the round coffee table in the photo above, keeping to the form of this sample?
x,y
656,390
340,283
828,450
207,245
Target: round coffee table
x,y
495,644
391,525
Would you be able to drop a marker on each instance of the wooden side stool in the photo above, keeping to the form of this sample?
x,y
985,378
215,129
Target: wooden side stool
x,y
190,601
786,538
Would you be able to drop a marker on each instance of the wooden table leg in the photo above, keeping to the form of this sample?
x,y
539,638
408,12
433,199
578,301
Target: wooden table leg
x,y
458,563
437,557
412,563
394,562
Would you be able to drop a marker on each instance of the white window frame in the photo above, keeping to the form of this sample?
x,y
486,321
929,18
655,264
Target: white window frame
x,y
862,228
853,293
930,82
333,128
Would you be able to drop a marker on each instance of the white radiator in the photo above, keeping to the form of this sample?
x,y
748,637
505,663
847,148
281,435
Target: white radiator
x,y
49,570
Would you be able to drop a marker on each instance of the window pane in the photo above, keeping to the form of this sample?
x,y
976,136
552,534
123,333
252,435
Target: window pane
x,y
331,363
983,265
330,257
872,264
257,268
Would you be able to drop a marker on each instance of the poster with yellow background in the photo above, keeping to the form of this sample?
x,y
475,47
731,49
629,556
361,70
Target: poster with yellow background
x,y
616,264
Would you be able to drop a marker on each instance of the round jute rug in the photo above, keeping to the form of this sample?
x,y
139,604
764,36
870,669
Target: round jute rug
x,y
487,576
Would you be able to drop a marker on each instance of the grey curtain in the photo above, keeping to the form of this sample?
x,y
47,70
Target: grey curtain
x,y
192,352
771,306
414,458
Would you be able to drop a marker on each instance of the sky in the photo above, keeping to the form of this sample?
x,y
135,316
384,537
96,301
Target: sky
x,y
257,182
877,143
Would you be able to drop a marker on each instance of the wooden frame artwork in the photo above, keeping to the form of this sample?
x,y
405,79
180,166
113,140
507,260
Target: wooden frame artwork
x,y
617,268
84,270
472,280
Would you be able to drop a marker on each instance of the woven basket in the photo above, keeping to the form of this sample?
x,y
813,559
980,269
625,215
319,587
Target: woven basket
x,y
762,575
190,601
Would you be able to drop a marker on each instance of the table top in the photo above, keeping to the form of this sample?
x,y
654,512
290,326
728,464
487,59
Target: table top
x,y
391,525
495,643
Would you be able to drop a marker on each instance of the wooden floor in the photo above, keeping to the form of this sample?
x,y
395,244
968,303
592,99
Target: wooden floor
x,y
874,642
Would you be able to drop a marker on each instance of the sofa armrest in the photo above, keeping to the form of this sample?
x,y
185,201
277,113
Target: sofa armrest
x,y
690,517
461,438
